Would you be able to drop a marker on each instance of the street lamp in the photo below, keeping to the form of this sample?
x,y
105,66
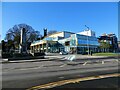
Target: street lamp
x,y
87,39
113,37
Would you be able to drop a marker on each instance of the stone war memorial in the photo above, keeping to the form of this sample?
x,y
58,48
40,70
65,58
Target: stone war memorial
x,y
23,46
23,54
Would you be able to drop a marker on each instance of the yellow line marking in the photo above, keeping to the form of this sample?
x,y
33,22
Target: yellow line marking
x,y
63,82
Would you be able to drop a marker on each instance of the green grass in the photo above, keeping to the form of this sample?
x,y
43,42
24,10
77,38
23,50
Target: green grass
x,y
105,54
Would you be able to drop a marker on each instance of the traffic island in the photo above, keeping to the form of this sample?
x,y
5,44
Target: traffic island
x,y
26,58
22,56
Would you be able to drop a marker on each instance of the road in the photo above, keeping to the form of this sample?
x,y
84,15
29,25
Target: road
x,y
109,83
30,74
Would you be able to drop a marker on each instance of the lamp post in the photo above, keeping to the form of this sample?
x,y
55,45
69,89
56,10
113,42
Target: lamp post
x,y
87,39
114,45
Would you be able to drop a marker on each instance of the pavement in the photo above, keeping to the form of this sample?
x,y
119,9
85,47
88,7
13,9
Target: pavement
x,y
47,58
56,56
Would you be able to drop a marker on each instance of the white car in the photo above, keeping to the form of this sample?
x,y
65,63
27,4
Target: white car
x,y
63,53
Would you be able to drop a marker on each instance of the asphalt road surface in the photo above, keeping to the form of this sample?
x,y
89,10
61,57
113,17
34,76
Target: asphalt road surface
x,y
30,74
110,83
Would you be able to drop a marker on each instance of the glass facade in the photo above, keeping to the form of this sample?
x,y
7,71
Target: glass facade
x,y
75,43
51,38
73,40
85,40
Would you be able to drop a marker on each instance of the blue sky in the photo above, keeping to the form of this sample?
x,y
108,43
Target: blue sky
x,y
101,17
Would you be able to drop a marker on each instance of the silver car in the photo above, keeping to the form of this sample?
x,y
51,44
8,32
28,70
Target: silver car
x,y
63,53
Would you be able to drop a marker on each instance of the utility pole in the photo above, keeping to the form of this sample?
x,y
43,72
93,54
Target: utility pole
x,y
87,39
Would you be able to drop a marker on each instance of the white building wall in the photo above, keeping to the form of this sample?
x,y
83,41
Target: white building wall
x,y
87,33
60,34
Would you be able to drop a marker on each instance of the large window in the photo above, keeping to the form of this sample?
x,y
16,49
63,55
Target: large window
x,y
82,41
87,42
67,43
73,42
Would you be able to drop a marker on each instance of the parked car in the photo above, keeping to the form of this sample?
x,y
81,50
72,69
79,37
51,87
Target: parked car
x,y
71,52
63,53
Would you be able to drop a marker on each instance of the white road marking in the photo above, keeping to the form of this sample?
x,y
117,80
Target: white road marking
x,y
61,77
85,63
29,68
117,60
63,65
5,59
103,62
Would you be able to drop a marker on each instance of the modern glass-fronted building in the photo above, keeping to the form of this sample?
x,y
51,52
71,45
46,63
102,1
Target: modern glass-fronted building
x,y
111,40
66,41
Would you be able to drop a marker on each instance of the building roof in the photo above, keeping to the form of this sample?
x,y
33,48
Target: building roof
x,y
59,32
52,34
69,32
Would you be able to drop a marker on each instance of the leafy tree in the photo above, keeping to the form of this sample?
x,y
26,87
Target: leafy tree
x,y
0,46
51,32
10,45
13,34
105,46
3,46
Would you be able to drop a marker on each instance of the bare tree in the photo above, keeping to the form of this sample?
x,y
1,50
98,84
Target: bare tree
x,y
14,34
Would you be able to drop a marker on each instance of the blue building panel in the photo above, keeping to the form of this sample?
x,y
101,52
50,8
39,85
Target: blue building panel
x,y
82,39
72,42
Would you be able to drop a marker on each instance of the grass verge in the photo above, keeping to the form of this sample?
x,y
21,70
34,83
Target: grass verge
x,y
105,54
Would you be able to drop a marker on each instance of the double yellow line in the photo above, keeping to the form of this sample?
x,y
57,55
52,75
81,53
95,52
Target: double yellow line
x,y
63,82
